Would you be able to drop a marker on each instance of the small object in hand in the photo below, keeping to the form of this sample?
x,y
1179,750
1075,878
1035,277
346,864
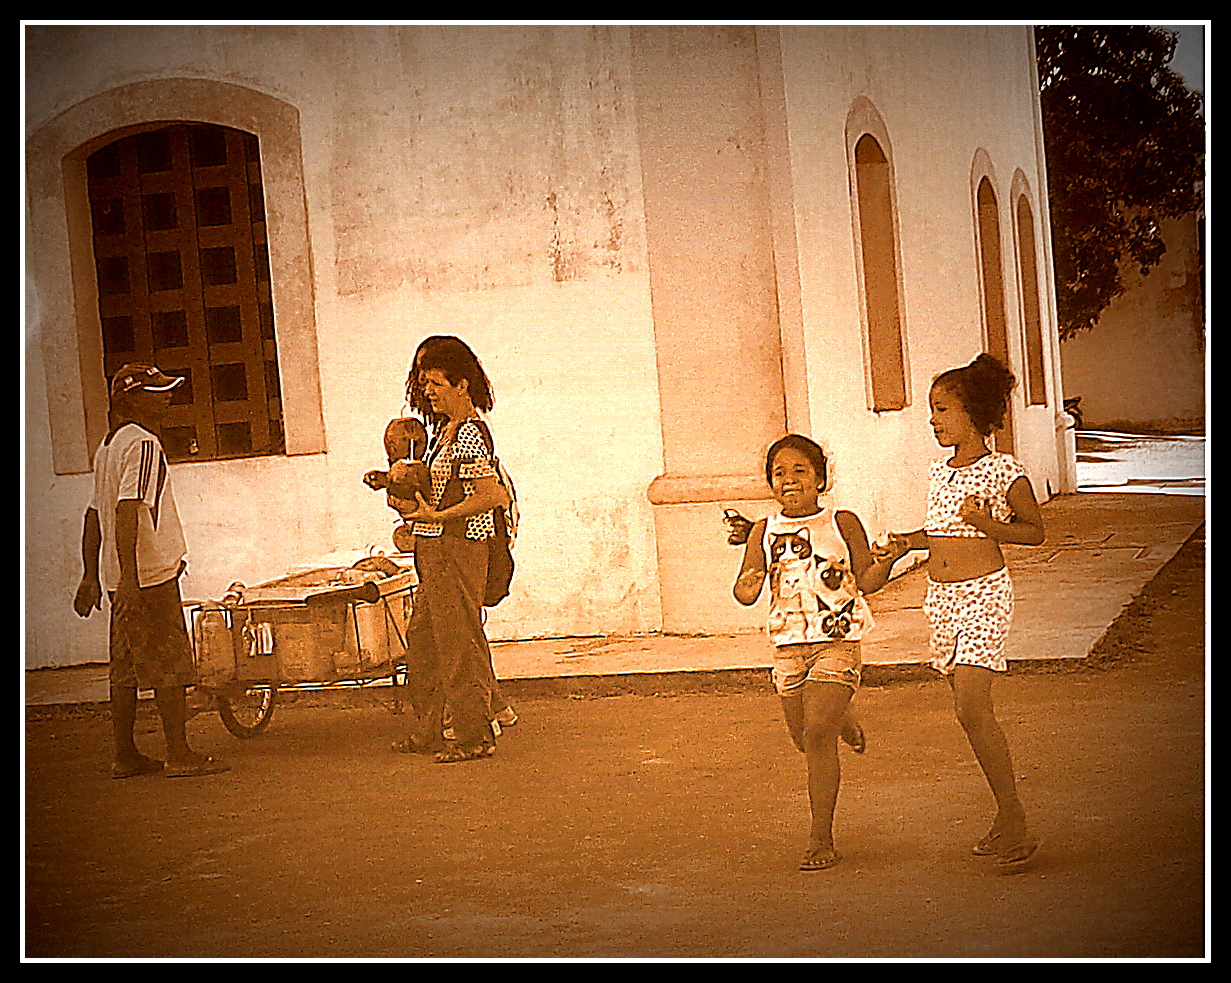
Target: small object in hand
x,y
739,527
973,505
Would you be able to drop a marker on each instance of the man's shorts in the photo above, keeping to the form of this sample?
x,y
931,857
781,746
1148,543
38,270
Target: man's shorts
x,y
149,646
970,621
820,662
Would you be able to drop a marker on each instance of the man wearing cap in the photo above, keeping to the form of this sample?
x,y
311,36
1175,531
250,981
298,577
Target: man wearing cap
x,y
133,522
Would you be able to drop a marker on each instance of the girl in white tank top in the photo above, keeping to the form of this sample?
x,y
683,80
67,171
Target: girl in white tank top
x,y
818,564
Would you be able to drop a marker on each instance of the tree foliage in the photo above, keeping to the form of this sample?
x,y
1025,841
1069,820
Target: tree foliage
x,y
1125,143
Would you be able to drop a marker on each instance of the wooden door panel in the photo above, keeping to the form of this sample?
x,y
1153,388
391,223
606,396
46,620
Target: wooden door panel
x,y
179,243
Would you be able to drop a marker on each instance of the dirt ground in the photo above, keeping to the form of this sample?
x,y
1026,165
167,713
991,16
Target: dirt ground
x,y
645,825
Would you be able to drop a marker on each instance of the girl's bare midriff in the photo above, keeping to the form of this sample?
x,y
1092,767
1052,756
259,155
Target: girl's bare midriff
x,y
952,558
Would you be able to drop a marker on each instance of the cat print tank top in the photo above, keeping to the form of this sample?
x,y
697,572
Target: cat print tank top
x,y
812,592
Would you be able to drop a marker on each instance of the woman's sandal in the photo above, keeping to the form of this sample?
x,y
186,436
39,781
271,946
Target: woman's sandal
x,y
988,846
141,765
207,765
412,745
457,752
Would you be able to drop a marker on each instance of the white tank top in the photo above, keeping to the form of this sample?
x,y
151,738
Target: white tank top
x,y
812,591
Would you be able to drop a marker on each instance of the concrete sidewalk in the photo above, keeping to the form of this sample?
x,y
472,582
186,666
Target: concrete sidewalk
x,y
1101,550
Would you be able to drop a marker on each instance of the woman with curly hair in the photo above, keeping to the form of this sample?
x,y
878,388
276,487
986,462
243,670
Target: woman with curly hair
x,y
449,663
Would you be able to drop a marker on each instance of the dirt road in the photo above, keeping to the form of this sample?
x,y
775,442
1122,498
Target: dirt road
x,y
649,826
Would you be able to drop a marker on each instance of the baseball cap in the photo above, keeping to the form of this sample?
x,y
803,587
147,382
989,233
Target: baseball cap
x,y
138,375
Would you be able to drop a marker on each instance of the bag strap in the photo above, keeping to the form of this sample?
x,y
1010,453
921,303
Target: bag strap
x,y
486,433
501,514
498,513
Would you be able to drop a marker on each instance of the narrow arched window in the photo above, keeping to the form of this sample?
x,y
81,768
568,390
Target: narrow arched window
x,y
992,274
1036,388
183,281
874,193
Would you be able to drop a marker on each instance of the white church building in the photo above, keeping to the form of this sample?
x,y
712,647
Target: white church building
x,y
668,245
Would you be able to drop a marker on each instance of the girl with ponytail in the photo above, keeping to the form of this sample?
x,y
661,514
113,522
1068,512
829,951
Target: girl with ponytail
x,y
977,499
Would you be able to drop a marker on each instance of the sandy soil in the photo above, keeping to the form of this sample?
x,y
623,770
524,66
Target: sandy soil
x,y
648,826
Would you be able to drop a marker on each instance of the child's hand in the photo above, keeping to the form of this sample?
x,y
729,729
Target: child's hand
x,y
376,480
893,549
974,510
738,527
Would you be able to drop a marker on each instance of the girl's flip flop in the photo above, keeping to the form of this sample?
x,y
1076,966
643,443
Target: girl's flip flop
x,y
1017,858
210,766
819,859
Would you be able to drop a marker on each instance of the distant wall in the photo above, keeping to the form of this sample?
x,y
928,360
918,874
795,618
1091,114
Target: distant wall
x,y
1142,367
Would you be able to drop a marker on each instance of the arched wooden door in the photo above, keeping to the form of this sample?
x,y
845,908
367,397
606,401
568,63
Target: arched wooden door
x,y
183,282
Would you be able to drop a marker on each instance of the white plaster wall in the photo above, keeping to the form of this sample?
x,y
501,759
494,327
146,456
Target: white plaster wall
x,y
486,182
482,182
943,93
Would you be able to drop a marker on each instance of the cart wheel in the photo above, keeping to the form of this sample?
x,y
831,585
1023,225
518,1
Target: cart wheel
x,y
247,713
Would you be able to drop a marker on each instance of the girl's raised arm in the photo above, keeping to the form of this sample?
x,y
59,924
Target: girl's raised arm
x,y
752,571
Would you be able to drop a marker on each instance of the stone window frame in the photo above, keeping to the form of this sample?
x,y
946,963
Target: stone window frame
x,y
1037,391
61,275
982,172
862,120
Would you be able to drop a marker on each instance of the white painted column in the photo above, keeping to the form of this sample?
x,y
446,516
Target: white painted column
x,y
714,298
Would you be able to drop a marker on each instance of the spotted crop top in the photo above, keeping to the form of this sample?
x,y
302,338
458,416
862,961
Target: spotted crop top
x,y
988,479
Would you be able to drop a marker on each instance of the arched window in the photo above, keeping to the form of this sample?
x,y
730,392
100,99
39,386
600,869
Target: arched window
x,y
878,251
1036,388
992,275
63,270
178,220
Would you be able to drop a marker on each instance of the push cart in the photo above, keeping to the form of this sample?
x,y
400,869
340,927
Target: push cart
x,y
333,624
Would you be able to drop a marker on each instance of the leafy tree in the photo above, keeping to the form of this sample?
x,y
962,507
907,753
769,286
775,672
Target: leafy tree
x,y
1125,143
